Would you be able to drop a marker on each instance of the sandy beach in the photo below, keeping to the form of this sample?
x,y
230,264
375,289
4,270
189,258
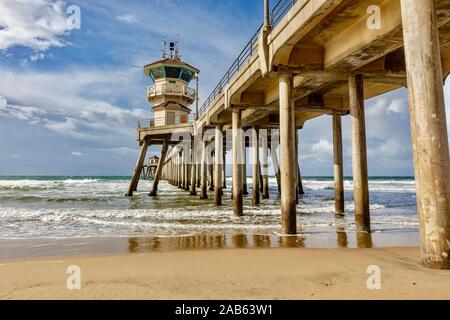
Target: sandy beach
x,y
229,274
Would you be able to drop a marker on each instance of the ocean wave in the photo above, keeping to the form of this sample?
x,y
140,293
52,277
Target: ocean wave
x,y
31,185
79,207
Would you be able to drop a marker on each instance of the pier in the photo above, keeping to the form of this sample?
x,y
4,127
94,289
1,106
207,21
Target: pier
x,y
309,58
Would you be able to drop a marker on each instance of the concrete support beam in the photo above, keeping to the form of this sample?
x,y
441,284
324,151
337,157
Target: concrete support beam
x,y
203,170
244,171
218,154
265,168
237,166
174,174
193,189
276,168
180,171
137,170
266,14
211,176
224,167
177,168
171,172
429,130
260,178
199,174
287,156
186,169
338,166
162,160
300,190
359,153
255,166
188,173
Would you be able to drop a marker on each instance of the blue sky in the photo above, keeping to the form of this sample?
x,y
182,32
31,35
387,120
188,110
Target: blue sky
x,y
70,99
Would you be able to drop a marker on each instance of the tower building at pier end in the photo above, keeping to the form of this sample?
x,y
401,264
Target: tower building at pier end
x,y
170,93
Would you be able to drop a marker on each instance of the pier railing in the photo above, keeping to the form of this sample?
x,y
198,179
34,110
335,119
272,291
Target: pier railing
x,y
243,57
170,89
279,10
165,121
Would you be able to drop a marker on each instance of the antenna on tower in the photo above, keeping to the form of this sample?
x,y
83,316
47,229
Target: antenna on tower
x,y
164,49
177,48
172,49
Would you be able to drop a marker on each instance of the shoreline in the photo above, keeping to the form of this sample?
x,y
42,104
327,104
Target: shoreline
x,y
229,274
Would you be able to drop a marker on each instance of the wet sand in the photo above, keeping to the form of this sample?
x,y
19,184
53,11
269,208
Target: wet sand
x,y
20,249
283,273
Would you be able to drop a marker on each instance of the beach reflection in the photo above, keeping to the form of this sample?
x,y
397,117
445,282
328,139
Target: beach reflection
x,y
204,242
343,239
364,240
341,234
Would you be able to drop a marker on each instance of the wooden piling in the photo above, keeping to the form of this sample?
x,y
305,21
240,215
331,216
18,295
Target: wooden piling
x,y
429,130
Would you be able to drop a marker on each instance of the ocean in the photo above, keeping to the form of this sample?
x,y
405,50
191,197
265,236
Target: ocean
x,y
95,207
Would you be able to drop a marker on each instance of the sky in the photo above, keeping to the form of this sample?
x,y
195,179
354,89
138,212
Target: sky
x,y
70,98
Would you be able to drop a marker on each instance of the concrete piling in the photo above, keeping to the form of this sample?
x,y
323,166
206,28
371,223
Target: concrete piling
x,y
218,151
255,166
338,165
429,130
237,164
162,159
287,156
359,153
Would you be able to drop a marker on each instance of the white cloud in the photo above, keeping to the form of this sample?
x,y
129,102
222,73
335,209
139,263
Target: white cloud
x,y
82,106
122,151
323,146
36,24
37,56
128,18
77,154
29,114
397,106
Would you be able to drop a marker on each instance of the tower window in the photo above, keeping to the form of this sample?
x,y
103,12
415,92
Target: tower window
x,y
186,75
157,73
173,72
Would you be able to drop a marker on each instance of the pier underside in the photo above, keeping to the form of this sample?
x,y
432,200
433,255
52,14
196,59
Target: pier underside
x,y
326,57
